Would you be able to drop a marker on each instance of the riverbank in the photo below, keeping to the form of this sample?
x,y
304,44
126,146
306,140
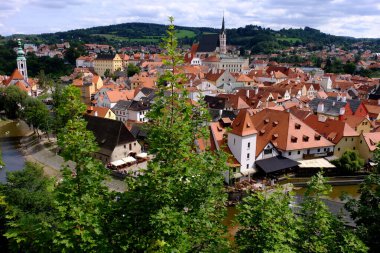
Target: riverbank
x,y
42,151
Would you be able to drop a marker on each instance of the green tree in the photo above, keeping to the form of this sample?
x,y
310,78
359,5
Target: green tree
x,y
36,113
349,68
366,210
132,69
68,105
28,210
178,203
14,99
267,224
107,73
321,231
82,200
349,162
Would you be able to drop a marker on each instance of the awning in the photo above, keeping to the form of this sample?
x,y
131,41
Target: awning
x,y
247,172
316,163
142,155
118,162
238,175
129,159
276,163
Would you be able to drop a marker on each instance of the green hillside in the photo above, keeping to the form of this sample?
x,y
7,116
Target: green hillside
x,y
255,38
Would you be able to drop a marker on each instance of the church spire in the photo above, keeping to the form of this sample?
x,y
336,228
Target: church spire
x,y
223,29
223,39
21,61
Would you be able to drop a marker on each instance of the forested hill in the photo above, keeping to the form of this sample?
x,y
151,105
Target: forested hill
x,y
251,37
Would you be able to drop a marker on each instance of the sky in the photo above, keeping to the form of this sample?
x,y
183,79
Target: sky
x,y
356,18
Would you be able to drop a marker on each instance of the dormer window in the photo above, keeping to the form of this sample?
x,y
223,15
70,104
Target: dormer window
x,y
274,136
305,138
266,121
275,123
317,137
293,139
297,126
262,131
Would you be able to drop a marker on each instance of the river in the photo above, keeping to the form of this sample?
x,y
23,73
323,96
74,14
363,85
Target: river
x,y
336,193
10,134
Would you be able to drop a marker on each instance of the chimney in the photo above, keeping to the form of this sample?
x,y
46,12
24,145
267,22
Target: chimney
x,y
247,93
96,114
321,107
342,111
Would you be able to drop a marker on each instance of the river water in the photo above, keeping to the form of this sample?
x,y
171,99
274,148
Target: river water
x,y
336,193
10,134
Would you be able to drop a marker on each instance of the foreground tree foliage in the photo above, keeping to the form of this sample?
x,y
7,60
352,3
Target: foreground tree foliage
x,y
82,200
267,223
29,215
178,204
366,210
270,224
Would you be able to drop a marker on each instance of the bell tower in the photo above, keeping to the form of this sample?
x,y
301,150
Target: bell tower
x,y
21,61
223,39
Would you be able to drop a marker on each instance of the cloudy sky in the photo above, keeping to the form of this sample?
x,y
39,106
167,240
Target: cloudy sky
x,y
357,18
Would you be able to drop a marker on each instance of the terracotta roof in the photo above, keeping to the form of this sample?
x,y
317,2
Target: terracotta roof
x,y
372,109
285,131
243,125
372,139
353,120
115,95
97,111
16,75
333,130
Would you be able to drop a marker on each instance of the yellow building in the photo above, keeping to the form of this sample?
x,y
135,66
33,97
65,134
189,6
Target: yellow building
x,y
360,124
111,62
338,132
88,86
102,112
368,144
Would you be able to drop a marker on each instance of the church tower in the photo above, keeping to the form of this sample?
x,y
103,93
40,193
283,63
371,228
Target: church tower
x,y
223,39
21,61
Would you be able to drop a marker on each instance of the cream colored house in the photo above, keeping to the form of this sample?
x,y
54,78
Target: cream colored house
x,y
368,144
111,62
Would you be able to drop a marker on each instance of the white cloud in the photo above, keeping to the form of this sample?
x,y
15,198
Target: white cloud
x,y
341,17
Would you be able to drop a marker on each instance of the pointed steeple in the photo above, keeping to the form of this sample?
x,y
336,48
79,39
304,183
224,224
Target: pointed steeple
x,y
21,61
223,28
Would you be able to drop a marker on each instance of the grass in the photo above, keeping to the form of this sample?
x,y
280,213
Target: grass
x,y
181,34
292,40
185,33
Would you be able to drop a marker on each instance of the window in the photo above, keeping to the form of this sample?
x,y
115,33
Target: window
x,y
346,139
267,151
319,150
361,142
247,166
354,148
249,145
234,141
338,149
299,152
352,139
248,156
125,146
130,146
290,153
